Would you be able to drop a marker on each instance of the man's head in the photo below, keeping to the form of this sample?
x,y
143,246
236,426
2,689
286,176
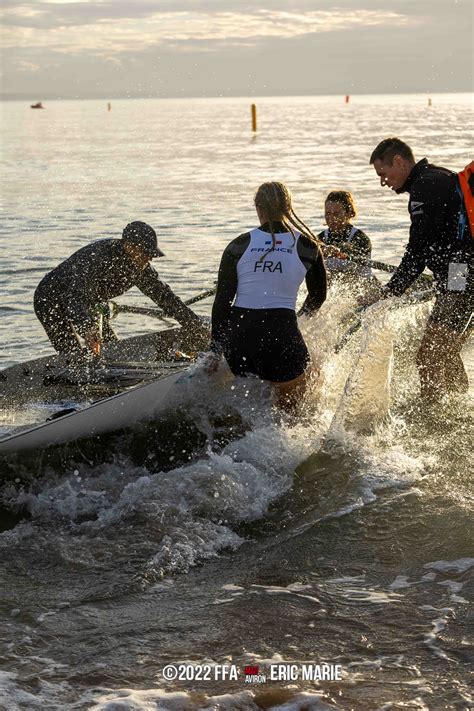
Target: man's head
x,y
393,161
140,243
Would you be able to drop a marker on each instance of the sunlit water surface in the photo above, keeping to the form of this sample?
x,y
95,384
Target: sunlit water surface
x,y
226,533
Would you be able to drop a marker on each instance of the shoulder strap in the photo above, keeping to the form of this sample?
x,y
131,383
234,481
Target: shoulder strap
x,y
466,190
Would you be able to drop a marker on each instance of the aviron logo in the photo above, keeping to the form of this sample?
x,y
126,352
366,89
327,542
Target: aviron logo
x,y
250,670
253,675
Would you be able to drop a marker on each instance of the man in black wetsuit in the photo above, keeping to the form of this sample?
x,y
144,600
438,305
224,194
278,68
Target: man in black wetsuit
x,y
440,239
66,296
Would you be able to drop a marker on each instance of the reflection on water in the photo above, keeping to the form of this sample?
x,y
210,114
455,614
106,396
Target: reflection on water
x,y
227,533
189,169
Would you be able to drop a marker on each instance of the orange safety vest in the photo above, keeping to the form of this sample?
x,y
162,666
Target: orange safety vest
x,y
466,183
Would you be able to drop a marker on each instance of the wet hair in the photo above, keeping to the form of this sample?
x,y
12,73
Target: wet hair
x,y
344,198
274,200
389,148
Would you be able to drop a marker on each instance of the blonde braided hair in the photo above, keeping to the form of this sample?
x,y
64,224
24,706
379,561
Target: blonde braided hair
x,y
273,199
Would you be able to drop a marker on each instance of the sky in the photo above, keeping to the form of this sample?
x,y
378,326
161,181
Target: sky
x,y
178,48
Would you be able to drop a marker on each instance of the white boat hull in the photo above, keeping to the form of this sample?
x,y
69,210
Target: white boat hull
x,y
142,402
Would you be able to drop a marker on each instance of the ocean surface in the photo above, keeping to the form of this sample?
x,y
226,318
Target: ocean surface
x,y
227,535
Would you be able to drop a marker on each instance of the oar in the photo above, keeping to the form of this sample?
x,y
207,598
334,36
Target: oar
x,y
200,297
383,267
154,311
415,298
390,268
352,329
143,310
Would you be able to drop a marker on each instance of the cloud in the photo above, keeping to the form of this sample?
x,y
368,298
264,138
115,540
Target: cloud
x,y
106,37
232,47
28,67
57,13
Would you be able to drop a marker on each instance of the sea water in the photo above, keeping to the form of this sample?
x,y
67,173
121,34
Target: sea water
x,y
225,535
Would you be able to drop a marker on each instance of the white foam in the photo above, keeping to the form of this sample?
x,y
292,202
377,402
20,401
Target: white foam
x,y
160,700
293,589
354,589
457,566
430,639
459,599
190,513
400,582
453,586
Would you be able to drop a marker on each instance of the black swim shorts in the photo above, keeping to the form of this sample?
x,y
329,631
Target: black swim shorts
x,y
267,343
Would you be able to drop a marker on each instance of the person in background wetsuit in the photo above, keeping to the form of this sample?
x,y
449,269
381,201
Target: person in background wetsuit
x,y
339,209
343,243
253,317
66,297
439,239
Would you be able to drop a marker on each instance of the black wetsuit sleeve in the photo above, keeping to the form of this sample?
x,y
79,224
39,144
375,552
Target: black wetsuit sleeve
x,y
360,246
316,277
422,208
151,285
79,312
226,290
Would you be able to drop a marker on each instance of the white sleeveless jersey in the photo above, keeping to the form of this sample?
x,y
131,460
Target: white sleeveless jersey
x,y
269,279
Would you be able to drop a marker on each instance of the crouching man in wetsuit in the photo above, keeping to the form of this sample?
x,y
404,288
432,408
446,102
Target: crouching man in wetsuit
x,y
440,239
66,297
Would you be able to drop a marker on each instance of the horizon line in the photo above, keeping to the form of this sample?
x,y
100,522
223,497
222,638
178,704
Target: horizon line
x,y
27,97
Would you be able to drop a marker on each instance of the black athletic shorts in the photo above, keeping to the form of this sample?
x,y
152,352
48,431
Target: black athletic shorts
x,y
267,343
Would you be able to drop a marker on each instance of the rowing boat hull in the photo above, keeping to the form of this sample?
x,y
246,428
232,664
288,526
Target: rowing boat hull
x,y
142,402
27,382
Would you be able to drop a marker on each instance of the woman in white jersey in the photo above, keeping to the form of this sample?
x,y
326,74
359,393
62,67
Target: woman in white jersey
x,y
253,318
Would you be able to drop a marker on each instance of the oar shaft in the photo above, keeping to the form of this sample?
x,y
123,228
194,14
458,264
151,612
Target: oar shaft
x,y
199,297
389,268
383,266
143,310
156,312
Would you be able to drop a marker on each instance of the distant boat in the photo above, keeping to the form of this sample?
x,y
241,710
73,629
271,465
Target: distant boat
x,y
38,105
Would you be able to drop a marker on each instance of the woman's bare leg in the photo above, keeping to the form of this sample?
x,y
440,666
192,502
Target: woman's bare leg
x,y
290,393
